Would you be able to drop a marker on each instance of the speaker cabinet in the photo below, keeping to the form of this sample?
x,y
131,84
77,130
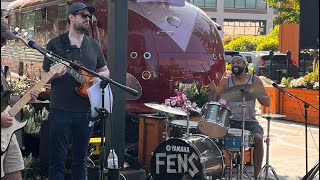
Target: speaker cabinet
x,y
309,24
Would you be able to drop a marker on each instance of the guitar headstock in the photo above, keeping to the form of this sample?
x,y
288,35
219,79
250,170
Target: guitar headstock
x,y
57,68
24,38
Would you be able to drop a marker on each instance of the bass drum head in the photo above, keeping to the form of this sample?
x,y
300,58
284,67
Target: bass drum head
x,y
190,157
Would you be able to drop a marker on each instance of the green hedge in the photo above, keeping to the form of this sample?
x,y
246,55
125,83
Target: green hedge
x,y
254,43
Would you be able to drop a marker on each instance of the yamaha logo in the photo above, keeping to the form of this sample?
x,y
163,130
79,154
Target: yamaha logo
x,y
180,149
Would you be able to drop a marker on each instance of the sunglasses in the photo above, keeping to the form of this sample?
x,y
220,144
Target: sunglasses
x,y
84,15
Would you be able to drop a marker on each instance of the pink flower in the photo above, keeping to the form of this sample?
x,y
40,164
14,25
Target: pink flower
x,y
173,102
228,73
184,97
312,81
167,102
179,94
223,102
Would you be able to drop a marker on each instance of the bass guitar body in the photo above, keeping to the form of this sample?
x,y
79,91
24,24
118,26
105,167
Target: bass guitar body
x,y
82,90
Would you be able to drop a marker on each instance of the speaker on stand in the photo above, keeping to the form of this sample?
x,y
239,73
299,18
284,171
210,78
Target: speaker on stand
x,y
309,24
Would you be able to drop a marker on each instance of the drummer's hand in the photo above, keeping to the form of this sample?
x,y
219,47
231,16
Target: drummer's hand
x,y
223,102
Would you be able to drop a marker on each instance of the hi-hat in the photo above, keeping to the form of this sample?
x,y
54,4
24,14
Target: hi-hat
x,y
270,115
248,91
166,109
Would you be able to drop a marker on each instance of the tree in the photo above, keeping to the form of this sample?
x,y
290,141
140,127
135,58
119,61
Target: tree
x,y
289,11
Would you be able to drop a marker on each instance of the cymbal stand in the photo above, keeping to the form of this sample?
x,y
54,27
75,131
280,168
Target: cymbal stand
x,y
165,134
188,119
243,106
267,166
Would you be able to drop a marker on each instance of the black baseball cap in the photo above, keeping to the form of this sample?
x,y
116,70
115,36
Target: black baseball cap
x,y
5,31
78,6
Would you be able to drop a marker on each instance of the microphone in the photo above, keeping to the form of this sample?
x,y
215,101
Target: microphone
x,y
281,89
36,46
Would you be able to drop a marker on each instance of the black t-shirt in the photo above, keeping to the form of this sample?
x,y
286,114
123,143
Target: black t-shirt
x,y
63,95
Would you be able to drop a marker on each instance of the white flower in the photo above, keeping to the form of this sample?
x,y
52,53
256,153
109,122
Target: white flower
x,y
316,85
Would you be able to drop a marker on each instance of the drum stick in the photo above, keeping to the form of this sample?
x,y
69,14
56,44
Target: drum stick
x,y
206,73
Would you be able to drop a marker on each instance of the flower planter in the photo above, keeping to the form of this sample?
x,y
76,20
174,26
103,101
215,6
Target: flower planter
x,y
274,101
294,109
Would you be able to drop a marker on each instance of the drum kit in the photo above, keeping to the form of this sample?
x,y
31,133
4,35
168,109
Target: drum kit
x,y
198,155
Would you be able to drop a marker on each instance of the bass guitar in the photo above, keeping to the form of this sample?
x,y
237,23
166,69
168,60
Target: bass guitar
x,y
6,133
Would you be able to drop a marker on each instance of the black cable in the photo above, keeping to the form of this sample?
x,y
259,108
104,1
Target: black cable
x,y
302,112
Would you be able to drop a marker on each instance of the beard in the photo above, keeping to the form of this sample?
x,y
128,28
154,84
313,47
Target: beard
x,y
82,28
237,73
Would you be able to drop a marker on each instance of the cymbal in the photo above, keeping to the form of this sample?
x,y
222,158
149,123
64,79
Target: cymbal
x,y
270,115
165,108
249,91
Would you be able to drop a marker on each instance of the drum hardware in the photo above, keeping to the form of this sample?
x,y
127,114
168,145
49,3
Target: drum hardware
x,y
267,166
215,120
178,128
234,155
192,157
166,109
242,93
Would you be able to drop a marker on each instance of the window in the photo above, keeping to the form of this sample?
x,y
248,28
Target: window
x,y
39,16
205,3
62,11
234,27
261,5
12,22
27,22
245,4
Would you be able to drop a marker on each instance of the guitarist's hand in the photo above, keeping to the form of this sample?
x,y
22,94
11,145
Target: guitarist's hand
x,y
34,94
96,79
6,120
64,70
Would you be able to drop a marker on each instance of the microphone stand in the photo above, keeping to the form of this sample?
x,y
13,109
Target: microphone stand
x,y
306,106
114,174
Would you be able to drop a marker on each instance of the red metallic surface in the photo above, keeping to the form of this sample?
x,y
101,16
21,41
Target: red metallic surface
x,y
179,38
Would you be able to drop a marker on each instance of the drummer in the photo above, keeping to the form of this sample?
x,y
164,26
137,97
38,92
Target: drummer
x,y
240,76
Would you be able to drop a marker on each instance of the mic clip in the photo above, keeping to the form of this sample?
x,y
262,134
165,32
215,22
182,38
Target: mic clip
x,y
102,114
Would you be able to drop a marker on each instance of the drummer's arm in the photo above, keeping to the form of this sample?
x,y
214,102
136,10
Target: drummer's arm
x,y
264,100
222,87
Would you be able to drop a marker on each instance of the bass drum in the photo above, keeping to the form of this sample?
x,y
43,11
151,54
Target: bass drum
x,y
193,157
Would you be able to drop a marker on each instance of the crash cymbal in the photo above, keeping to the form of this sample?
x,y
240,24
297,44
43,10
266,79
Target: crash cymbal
x,y
249,91
270,115
166,109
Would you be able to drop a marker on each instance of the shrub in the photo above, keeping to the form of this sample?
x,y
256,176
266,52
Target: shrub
x,y
254,43
269,44
243,43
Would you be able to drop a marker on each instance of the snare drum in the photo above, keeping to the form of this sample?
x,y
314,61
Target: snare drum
x,y
232,141
179,127
191,157
215,120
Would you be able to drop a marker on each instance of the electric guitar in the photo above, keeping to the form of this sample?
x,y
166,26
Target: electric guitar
x,y
6,133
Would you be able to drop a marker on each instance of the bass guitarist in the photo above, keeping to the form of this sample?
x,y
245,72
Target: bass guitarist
x,y
11,160
68,110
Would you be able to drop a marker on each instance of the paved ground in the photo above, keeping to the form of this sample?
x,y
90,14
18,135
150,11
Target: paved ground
x,y
287,148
